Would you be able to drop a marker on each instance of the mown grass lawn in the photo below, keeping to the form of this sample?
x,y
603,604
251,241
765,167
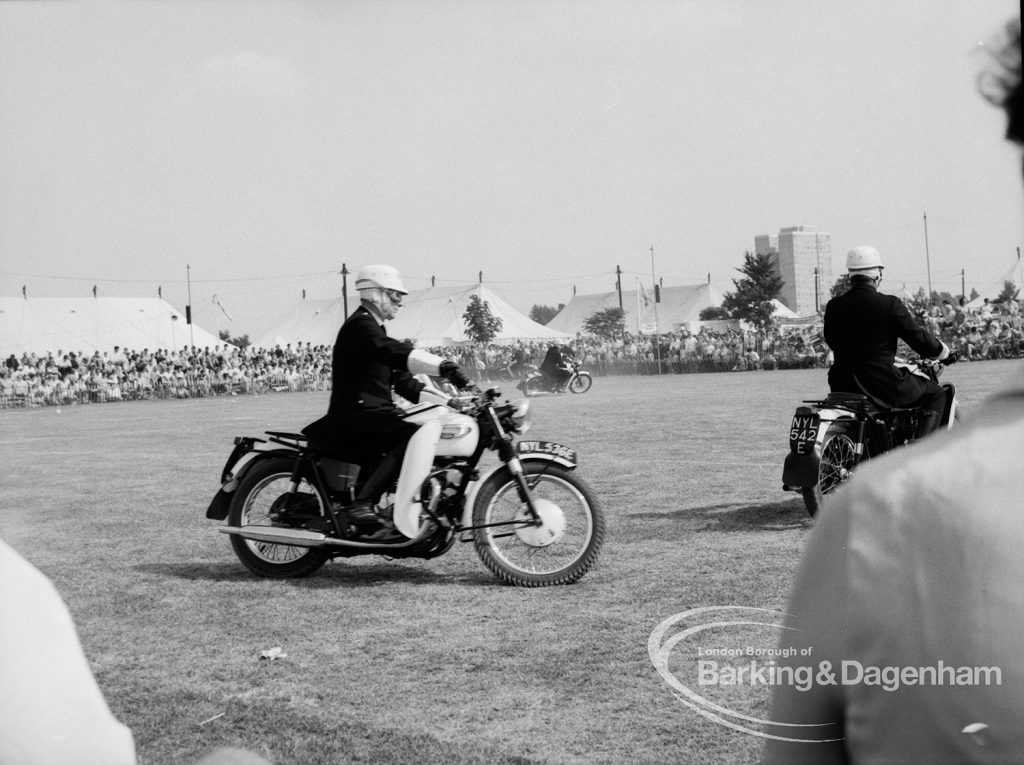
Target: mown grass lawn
x,y
416,661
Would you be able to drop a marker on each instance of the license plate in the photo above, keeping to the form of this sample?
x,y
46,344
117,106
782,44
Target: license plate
x,y
547,447
803,433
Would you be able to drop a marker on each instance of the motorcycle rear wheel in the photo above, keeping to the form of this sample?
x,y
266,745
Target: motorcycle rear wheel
x,y
262,489
580,383
531,386
838,458
512,553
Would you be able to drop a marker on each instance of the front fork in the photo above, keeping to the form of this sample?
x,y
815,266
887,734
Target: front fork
x,y
507,453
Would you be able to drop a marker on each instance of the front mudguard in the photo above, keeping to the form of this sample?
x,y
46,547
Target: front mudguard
x,y
949,411
524,458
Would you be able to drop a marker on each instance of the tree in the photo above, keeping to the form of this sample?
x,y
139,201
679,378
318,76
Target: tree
x,y
242,341
841,287
481,325
752,300
974,295
713,312
542,314
608,322
1009,293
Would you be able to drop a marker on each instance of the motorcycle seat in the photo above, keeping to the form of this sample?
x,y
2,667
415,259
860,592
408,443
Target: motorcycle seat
x,y
288,436
343,453
841,397
867,404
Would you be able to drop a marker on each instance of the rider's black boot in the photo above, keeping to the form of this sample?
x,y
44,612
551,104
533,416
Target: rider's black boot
x,y
926,423
361,514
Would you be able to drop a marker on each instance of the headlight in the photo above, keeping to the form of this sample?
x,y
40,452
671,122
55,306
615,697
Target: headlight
x,y
521,415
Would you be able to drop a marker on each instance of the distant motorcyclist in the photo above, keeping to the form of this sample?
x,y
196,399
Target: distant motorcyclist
x,y
556,368
862,328
366,363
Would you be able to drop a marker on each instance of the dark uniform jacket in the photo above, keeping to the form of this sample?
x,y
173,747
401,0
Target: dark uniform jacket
x,y
862,328
553,363
365,364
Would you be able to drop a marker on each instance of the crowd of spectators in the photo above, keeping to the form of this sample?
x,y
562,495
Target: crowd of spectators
x,y
55,378
61,377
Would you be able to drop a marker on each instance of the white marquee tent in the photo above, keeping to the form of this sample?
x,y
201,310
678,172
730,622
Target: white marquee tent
x,y
679,307
37,325
429,317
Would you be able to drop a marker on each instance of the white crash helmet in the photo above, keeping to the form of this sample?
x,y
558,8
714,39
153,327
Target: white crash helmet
x,y
863,258
380,277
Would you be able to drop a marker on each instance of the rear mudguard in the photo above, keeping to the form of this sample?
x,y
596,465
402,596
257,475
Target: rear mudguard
x,y
231,477
801,470
524,458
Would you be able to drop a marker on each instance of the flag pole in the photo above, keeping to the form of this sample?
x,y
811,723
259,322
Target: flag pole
x,y
657,329
637,280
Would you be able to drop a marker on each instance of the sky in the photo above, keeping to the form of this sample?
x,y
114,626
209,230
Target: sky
x,y
235,155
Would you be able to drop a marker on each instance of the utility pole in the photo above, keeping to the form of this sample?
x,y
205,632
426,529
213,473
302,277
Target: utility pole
x,y
188,308
817,266
618,284
927,257
344,289
963,283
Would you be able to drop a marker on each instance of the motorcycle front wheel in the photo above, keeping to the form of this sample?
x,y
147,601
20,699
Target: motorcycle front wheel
x,y
580,383
264,490
517,551
838,458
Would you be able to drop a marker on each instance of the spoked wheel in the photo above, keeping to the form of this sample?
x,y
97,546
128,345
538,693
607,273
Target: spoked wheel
x,y
533,386
560,550
838,458
263,493
580,383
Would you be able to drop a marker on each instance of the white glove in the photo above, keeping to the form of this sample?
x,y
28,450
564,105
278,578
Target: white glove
x,y
424,362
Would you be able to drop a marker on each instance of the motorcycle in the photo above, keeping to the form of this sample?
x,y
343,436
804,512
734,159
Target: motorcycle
x,y
531,519
829,438
536,382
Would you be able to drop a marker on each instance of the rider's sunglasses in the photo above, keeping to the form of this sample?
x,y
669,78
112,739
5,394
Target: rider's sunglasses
x,y
394,295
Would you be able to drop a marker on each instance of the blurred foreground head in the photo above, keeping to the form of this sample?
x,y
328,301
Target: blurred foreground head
x,y
1001,82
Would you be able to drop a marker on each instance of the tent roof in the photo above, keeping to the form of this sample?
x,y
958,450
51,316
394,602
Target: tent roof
x,y
679,305
37,325
782,311
430,317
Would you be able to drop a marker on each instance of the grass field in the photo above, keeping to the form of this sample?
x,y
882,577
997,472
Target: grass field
x,y
415,661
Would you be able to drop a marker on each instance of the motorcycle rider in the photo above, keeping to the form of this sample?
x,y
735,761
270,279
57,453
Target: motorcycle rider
x,y
862,327
555,368
365,364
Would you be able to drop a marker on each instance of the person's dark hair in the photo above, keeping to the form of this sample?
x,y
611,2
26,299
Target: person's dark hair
x,y
1001,84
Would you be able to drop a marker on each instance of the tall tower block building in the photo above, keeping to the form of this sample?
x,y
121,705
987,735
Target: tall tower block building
x,y
803,258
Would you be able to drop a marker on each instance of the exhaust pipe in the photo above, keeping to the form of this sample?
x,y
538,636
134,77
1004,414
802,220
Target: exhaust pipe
x,y
277,535
305,538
